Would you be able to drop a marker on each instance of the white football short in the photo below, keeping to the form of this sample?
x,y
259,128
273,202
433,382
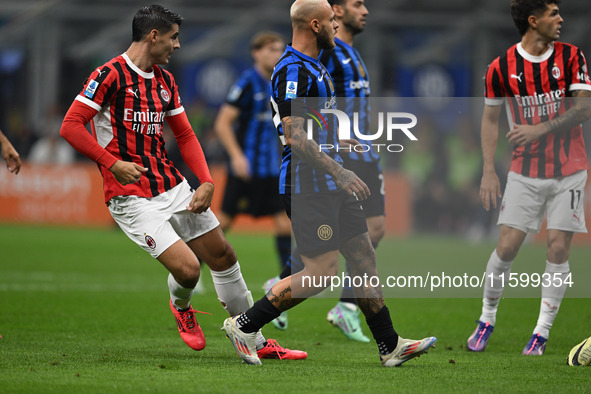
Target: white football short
x,y
158,222
527,199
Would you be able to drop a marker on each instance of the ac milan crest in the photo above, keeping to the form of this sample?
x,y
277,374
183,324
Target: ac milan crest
x,y
556,71
164,94
150,242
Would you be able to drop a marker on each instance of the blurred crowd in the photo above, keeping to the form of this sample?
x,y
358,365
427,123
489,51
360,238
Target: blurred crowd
x,y
445,170
43,145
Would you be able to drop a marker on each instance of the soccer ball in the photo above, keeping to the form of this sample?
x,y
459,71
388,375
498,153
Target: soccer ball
x,y
580,354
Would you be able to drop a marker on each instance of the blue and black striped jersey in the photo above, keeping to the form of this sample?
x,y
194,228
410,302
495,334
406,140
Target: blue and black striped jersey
x,y
255,133
351,80
302,87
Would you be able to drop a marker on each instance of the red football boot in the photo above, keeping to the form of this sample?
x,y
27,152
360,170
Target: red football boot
x,y
189,329
274,350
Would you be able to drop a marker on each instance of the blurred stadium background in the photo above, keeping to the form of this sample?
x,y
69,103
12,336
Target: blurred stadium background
x,y
77,333
418,48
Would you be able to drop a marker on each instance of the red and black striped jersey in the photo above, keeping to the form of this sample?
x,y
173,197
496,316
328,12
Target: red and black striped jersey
x,y
536,89
132,105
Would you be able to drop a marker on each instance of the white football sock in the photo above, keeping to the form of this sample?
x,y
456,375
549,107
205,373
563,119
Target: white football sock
x,y
234,295
180,296
551,297
493,291
231,290
260,339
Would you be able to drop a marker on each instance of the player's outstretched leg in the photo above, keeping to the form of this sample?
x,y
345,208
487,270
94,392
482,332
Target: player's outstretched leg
x,y
272,349
293,265
393,349
231,289
236,298
243,329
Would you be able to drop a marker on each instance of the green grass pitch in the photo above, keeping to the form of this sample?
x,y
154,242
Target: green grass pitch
x,y
85,310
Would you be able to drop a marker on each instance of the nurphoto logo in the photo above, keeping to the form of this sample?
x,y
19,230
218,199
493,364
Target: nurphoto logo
x,y
388,124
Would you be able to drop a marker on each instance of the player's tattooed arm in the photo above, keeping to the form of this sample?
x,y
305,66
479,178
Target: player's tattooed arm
x,y
578,113
308,150
297,138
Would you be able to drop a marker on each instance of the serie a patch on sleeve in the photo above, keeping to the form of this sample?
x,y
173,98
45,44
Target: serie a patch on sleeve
x,y
291,90
234,93
91,88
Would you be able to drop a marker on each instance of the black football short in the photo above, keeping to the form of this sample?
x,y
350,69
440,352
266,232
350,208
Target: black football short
x,y
371,174
321,222
257,197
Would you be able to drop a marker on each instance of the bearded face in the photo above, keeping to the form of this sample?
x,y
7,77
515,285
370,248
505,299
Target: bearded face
x,y
325,38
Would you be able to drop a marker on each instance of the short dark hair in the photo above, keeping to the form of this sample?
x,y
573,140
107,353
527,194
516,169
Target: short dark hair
x,y
264,38
337,2
522,9
153,17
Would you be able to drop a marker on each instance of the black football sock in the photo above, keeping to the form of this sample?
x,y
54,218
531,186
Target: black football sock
x,y
261,313
283,244
383,332
294,266
286,271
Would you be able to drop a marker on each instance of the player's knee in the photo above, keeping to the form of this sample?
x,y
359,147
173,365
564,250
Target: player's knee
x,y
558,252
507,251
188,273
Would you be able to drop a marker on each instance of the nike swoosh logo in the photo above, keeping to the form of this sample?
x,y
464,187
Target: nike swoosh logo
x,y
320,78
346,61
